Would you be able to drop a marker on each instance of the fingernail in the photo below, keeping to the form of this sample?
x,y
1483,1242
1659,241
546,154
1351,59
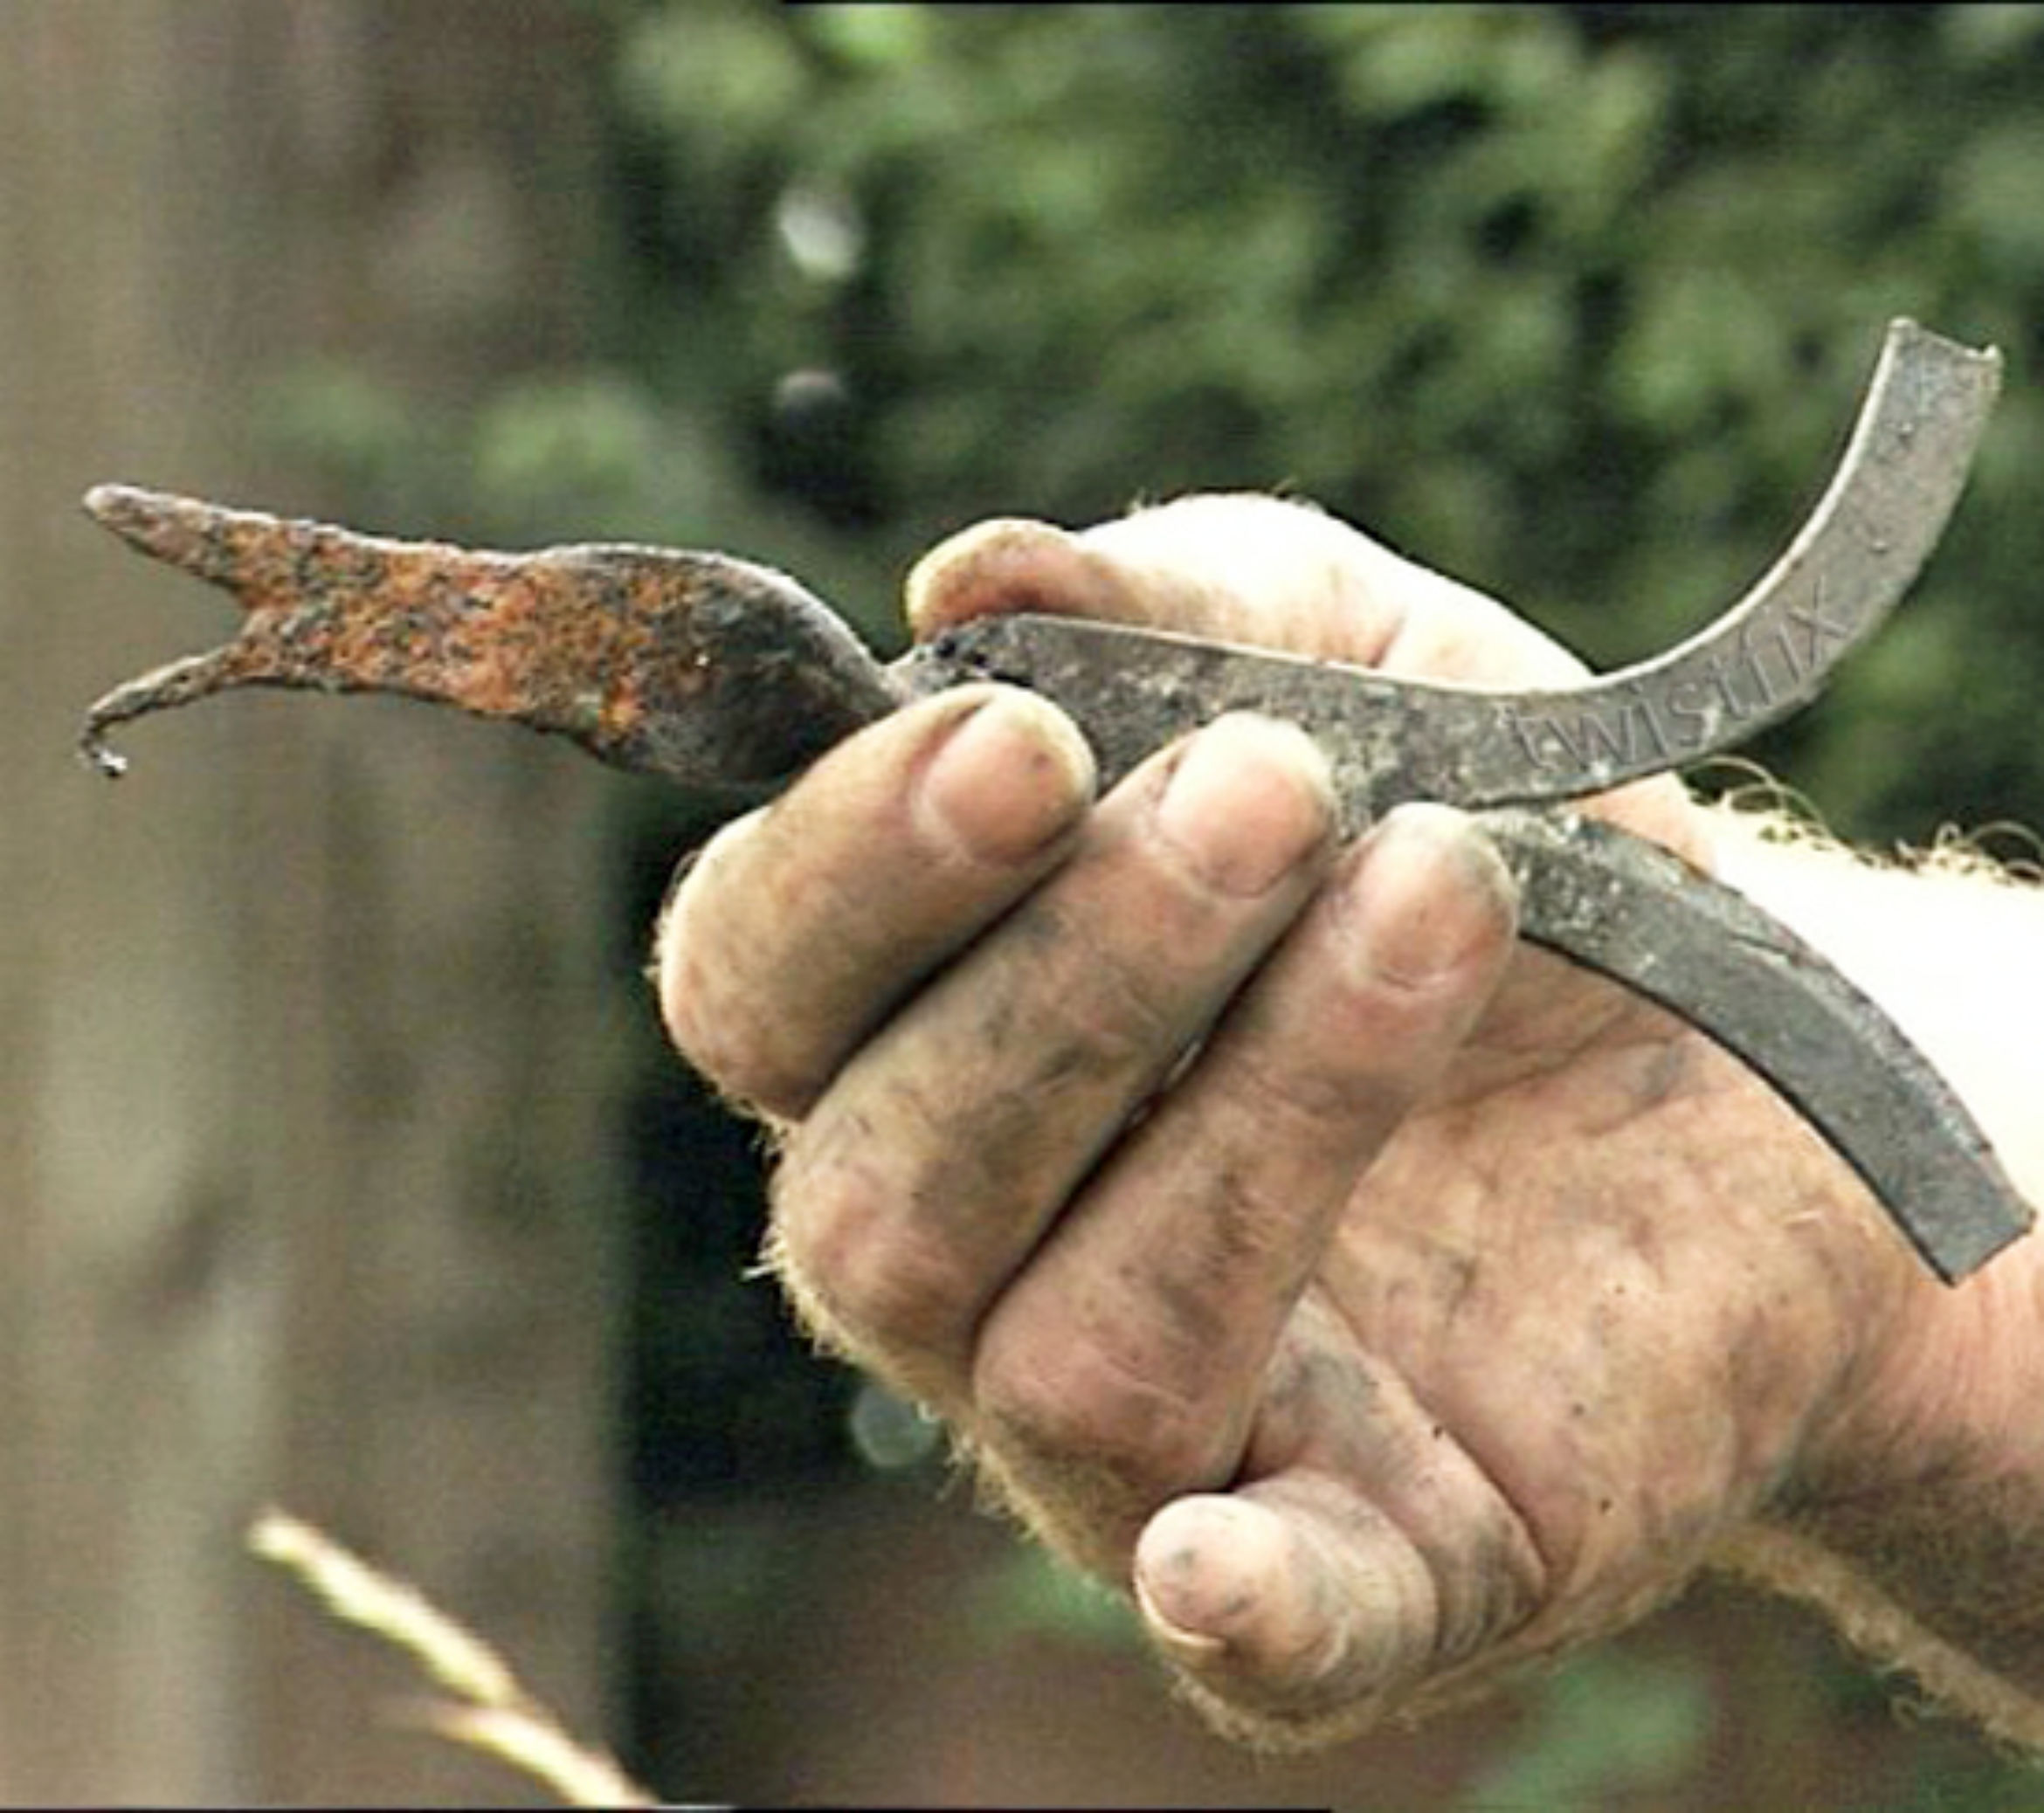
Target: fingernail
x,y
1194,1646
1011,563
1197,1572
1009,777
1248,800
1429,894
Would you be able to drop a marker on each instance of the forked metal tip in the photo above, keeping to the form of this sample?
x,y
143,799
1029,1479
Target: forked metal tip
x,y
154,521
202,538
94,752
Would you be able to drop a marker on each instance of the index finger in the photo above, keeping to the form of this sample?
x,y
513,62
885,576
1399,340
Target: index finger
x,y
795,930
1135,1345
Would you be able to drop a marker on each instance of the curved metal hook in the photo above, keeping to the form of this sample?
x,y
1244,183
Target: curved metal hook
x,y
1638,914
718,673
1391,739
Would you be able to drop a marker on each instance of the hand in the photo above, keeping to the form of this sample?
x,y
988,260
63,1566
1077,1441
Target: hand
x,y
1381,1300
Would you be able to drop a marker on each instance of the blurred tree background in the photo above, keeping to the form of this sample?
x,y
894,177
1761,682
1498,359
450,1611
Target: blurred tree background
x,y
1572,302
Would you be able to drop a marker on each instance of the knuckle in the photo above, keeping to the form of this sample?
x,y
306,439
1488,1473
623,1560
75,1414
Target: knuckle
x,y
1489,1586
713,1020
705,991
1074,1403
888,1291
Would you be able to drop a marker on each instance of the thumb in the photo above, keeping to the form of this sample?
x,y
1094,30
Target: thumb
x,y
1233,567
1013,564
1294,1610
1237,567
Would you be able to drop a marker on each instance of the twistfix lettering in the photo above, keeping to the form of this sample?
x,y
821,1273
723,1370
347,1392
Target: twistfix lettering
x,y
1618,733
1698,706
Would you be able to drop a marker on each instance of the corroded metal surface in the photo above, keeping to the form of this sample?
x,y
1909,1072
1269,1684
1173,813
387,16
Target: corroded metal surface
x,y
693,666
725,675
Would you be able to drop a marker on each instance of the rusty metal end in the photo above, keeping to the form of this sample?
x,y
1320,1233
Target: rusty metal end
x,y
178,683
194,536
200,538
94,752
696,666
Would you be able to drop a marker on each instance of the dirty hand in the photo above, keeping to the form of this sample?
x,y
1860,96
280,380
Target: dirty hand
x,y
1383,1301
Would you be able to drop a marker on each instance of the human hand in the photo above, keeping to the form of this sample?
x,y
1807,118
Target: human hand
x,y
1381,1300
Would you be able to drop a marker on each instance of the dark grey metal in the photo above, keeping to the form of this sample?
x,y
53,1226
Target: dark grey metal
x,y
1633,910
1132,691
1613,902
729,677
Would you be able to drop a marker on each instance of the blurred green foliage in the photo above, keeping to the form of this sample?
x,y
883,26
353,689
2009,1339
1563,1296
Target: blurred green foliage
x,y
1572,302
1605,1728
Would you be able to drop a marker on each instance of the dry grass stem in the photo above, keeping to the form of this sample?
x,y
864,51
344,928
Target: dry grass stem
x,y
492,1713
581,1777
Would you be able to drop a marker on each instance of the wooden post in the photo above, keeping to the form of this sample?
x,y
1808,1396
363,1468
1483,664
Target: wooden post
x,y
304,1191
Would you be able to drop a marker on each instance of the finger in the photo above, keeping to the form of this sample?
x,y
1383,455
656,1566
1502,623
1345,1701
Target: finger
x,y
945,1147
1367,1557
1239,568
1279,574
1286,1608
1135,1341
796,930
